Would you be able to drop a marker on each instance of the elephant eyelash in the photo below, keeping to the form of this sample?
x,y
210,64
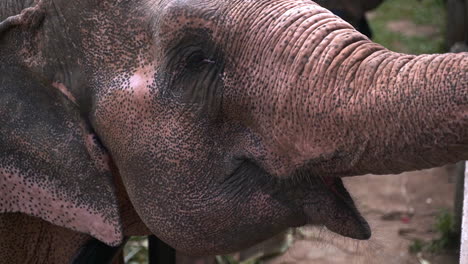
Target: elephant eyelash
x,y
197,60
209,61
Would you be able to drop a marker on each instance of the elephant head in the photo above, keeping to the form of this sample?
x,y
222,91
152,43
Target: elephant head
x,y
226,121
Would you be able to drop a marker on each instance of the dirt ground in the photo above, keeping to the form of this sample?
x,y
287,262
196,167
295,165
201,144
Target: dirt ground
x,y
399,208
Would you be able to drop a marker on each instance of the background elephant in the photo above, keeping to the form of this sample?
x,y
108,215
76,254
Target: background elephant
x,y
457,25
353,12
214,124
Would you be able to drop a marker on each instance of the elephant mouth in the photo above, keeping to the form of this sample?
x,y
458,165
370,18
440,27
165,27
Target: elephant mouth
x,y
324,201
335,209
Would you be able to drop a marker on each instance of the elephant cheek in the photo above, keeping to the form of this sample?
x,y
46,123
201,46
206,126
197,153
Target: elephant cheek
x,y
219,225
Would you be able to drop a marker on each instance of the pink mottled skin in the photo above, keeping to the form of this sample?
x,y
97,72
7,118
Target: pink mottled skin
x,y
211,124
55,209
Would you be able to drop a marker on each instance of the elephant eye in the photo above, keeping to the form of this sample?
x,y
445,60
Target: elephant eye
x,y
197,60
194,66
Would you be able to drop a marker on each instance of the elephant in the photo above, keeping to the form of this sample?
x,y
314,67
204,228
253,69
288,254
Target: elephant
x,y
211,124
353,11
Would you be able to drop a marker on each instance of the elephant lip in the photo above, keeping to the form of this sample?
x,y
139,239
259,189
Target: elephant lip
x,y
326,202
335,209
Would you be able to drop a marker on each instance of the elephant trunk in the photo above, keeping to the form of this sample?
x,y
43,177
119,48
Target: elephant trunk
x,y
325,99
359,108
396,112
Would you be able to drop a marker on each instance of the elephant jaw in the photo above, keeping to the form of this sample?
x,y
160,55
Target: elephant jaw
x,y
336,210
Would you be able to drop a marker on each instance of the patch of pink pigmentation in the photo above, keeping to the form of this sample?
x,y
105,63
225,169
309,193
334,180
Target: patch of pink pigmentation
x,y
18,194
138,82
141,80
64,90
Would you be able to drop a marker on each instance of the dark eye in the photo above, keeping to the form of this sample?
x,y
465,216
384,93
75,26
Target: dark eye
x,y
197,60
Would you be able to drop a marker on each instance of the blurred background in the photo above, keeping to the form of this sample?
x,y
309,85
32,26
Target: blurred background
x,y
415,216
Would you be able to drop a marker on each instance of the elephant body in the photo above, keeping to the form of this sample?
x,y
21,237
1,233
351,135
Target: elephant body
x,y
211,124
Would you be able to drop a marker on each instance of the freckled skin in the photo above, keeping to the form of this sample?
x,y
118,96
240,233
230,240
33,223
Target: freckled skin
x,y
40,143
227,121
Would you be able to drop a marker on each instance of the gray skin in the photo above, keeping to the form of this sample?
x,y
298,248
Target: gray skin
x,y
214,124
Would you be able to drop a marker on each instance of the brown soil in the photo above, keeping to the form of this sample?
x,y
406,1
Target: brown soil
x,y
399,208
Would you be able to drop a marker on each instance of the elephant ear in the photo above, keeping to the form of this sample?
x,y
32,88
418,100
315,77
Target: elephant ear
x,y
51,165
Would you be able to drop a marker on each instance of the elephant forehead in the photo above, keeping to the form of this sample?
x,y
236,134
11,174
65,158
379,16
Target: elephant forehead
x,y
232,25
200,8
169,23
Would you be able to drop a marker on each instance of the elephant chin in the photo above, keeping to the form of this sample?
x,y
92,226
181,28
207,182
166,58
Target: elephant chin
x,y
336,210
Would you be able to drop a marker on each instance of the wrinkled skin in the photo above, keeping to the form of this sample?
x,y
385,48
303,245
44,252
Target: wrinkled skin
x,y
226,121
